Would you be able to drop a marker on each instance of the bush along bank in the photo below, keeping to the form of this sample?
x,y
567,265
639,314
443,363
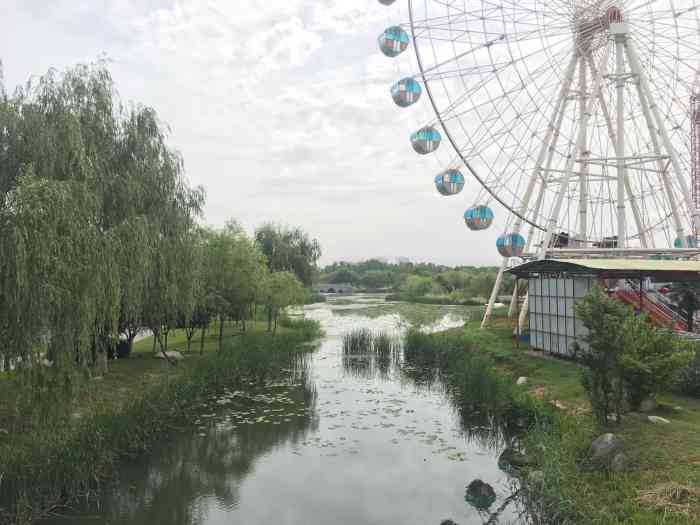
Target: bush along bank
x,y
65,461
570,468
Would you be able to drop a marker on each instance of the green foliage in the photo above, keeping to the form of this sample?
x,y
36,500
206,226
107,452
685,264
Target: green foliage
x,y
687,296
283,289
689,378
417,286
459,285
627,358
289,249
652,359
62,464
603,379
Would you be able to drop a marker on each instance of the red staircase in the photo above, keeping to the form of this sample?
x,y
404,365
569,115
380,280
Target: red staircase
x,y
659,313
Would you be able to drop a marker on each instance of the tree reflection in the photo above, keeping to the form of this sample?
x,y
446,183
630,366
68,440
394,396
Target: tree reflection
x,y
174,485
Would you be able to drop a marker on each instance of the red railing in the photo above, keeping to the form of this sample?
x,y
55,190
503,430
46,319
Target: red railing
x,y
658,312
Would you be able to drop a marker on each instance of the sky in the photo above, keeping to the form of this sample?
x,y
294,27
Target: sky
x,y
281,110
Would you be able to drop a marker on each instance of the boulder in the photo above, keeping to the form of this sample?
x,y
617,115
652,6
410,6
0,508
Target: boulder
x,y
604,448
447,522
521,381
173,355
480,494
619,462
658,420
648,405
513,459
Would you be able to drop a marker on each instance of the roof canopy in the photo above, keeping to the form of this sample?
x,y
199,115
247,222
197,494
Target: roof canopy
x,y
658,270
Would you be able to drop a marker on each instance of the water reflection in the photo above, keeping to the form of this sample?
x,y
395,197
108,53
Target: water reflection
x,y
344,438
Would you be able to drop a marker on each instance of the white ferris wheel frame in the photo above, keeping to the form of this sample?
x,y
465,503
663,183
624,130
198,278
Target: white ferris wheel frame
x,y
664,156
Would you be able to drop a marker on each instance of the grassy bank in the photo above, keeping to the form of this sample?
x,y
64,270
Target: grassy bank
x,y
131,409
444,300
660,484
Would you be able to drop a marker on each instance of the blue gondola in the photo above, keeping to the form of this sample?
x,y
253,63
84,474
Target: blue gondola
x,y
691,242
406,92
511,245
478,217
426,140
393,41
450,182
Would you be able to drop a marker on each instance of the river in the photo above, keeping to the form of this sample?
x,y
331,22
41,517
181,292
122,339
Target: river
x,y
347,442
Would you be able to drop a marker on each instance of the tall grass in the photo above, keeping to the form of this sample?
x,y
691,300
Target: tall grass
x,y
60,463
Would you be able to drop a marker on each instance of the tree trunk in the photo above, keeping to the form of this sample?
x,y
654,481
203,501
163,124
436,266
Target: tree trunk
x,y
269,318
221,332
164,349
155,340
274,331
201,341
189,332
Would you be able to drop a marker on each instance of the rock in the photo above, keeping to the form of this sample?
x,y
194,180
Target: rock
x,y
447,522
619,462
480,494
558,404
678,409
4,431
521,381
173,355
512,459
612,417
648,405
657,419
604,448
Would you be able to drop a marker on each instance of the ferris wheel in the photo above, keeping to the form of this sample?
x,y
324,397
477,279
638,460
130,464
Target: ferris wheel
x,y
579,119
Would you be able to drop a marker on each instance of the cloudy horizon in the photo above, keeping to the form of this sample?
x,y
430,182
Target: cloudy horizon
x,y
281,111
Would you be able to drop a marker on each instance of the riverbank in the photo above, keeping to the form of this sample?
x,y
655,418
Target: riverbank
x,y
659,484
442,300
134,407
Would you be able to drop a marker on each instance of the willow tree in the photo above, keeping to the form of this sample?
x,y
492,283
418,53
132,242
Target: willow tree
x,y
94,215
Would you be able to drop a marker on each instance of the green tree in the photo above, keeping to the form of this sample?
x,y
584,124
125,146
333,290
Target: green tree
x,y
652,359
283,289
416,286
603,378
687,296
289,249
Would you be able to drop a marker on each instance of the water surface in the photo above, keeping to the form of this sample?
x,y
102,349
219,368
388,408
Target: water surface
x,y
353,441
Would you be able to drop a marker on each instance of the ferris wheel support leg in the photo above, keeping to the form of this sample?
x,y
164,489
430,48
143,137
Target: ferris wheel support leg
x,y
523,313
651,112
582,149
648,107
494,294
528,245
549,143
620,79
598,73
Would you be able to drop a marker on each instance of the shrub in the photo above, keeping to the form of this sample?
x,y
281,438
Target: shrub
x,y
689,378
651,359
627,358
603,378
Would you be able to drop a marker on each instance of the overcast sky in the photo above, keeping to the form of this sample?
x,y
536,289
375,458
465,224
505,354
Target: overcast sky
x,y
281,110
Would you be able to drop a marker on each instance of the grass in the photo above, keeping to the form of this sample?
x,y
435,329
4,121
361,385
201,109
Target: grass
x,y
139,401
662,484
